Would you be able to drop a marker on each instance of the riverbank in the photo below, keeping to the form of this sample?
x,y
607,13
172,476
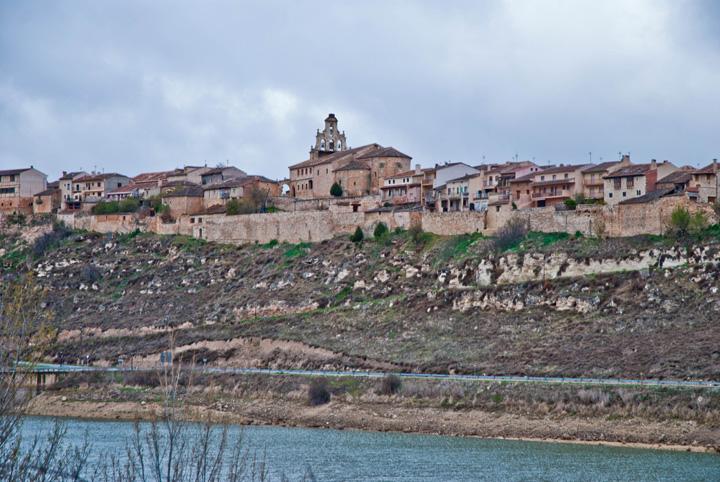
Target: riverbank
x,y
383,417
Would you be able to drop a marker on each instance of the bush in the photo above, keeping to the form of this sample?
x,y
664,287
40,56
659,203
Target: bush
x,y
357,236
390,385
50,240
380,231
90,274
16,218
510,235
683,223
128,205
336,190
571,204
239,206
514,206
318,393
578,234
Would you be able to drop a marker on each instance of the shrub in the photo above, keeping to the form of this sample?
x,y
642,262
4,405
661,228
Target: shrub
x,y
232,207
90,273
578,234
514,206
16,218
50,239
380,231
683,223
698,222
510,235
571,204
239,206
357,236
581,199
390,385
128,205
336,190
318,393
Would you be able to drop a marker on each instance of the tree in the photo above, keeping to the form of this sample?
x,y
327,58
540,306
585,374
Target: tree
x,y
571,204
357,236
336,190
380,231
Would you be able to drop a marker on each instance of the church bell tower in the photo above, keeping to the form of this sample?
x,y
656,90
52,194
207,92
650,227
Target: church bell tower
x,y
329,140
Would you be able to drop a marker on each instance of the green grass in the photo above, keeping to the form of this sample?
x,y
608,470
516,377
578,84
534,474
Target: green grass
x,y
270,244
188,243
296,250
456,247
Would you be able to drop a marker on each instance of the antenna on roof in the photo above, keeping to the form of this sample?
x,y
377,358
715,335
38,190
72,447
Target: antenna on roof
x,y
590,156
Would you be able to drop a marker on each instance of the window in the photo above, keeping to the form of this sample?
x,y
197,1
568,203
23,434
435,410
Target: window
x,y
609,194
630,182
566,175
617,183
554,177
542,178
638,192
624,194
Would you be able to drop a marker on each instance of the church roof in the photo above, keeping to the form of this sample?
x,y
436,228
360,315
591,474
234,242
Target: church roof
x,y
353,165
384,152
348,154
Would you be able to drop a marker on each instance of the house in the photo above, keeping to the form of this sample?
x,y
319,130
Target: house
x,y
70,198
451,170
678,181
454,195
183,199
508,172
124,192
49,200
242,188
554,185
191,174
359,171
592,177
17,188
148,184
634,181
409,187
220,174
705,183
521,190
93,188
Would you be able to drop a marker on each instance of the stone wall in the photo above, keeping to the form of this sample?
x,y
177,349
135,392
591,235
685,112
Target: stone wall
x,y
107,223
341,204
584,219
451,223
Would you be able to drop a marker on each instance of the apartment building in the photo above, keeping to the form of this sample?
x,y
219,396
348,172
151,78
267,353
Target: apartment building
x,y
554,185
593,177
409,187
17,188
92,188
70,199
634,181
705,183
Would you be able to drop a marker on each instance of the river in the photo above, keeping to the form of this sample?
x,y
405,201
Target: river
x,y
367,456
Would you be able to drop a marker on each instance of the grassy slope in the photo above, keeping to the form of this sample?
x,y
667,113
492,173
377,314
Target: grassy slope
x,y
146,280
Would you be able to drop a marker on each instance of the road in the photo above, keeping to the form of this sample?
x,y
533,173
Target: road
x,y
53,368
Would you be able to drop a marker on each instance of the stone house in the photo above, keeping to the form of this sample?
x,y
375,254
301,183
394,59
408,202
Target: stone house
x,y
93,188
220,194
592,177
221,174
451,170
409,187
678,181
71,199
124,192
17,188
454,195
149,184
505,173
634,181
521,191
49,200
191,174
705,183
184,199
554,185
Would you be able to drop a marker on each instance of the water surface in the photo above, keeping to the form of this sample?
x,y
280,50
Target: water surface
x,y
368,456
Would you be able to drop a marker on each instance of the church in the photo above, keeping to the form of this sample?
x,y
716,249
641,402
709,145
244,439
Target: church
x,y
358,170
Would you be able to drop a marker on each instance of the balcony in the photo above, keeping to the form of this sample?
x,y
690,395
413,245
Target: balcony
x,y
551,194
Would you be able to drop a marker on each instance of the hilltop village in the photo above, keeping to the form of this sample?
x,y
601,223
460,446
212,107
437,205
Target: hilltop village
x,y
339,188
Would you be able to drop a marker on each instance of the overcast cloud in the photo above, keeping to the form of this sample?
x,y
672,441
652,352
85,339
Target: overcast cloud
x,y
133,86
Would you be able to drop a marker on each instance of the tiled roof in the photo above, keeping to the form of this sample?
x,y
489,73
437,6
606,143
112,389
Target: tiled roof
x,y
565,168
126,188
353,165
677,177
185,191
709,169
230,183
49,191
12,172
525,178
70,175
98,177
337,156
635,170
602,167
384,152
152,176
551,182
649,197
465,177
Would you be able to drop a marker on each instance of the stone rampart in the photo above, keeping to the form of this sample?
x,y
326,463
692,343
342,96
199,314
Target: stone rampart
x,y
453,223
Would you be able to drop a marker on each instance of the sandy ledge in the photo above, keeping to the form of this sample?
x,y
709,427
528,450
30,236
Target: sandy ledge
x,y
383,418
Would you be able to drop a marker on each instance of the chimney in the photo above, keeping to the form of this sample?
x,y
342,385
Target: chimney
x,y
625,159
653,164
64,173
418,169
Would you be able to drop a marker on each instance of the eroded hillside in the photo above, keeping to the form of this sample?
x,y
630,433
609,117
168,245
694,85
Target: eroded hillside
x,y
406,302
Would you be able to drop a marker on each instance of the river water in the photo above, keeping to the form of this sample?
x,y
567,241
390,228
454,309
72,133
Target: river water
x,y
367,456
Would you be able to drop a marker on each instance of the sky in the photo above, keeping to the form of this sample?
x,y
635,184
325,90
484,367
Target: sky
x,y
129,86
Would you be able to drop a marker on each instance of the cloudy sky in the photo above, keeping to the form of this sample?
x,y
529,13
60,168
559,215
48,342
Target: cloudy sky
x,y
133,86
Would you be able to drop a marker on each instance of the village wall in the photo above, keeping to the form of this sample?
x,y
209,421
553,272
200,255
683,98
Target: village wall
x,y
341,204
451,223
